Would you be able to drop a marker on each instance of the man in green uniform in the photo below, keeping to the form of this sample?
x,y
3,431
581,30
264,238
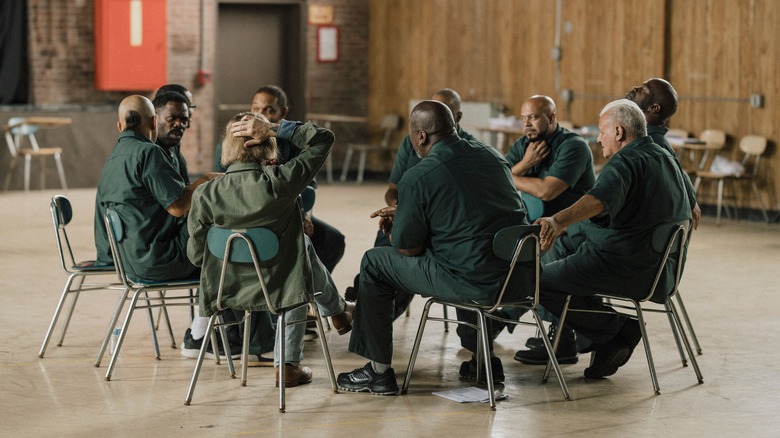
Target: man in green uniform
x,y
451,204
658,101
140,182
640,188
405,159
551,167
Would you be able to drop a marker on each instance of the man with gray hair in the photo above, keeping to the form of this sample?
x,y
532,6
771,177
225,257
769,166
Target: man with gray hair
x,y
639,188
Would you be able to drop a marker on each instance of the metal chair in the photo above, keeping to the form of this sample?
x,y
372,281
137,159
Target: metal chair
x,y
669,241
15,132
61,215
252,246
140,295
517,245
752,147
390,124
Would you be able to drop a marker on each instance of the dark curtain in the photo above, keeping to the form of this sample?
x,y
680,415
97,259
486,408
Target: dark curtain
x,y
14,78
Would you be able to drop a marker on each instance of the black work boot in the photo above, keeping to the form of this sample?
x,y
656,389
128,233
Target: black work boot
x,y
566,354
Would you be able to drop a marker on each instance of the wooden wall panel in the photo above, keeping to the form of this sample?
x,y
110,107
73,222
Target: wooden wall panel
x,y
499,51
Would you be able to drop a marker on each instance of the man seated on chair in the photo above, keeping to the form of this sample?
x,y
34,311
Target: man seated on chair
x,y
405,159
257,191
150,195
555,166
640,187
450,205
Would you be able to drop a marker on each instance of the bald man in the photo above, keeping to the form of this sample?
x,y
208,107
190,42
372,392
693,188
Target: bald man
x,y
150,196
551,167
451,204
405,159
657,99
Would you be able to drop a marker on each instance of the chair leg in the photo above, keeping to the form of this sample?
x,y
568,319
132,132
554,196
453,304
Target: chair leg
x,y
416,346
720,201
164,314
361,167
280,328
345,166
688,324
325,350
42,163
27,159
9,173
76,295
111,324
444,313
552,362
57,310
648,353
61,171
155,341
199,362
677,341
245,348
122,335
688,348
485,347
760,200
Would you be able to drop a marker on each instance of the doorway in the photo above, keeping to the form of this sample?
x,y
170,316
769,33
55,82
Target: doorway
x,y
258,44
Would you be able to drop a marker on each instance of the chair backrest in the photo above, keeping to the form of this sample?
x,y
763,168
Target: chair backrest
x,y
753,146
669,240
390,124
24,129
517,244
308,196
252,245
678,133
714,138
116,234
61,214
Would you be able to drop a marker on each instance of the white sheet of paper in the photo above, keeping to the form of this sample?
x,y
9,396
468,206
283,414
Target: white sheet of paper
x,y
471,394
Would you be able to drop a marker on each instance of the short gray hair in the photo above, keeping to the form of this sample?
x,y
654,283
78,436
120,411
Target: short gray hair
x,y
626,113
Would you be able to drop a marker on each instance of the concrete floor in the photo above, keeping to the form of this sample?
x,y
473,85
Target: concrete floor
x,y
729,286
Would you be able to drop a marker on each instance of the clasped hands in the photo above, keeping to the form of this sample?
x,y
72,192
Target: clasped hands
x,y
256,127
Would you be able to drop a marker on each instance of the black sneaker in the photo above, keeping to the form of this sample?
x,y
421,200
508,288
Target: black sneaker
x,y
310,335
468,370
367,380
191,348
615,353
566,353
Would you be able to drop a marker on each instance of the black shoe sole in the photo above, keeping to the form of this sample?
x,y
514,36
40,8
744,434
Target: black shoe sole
x,y
561,361
370,391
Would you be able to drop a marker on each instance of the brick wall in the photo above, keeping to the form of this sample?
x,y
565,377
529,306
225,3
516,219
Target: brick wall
x,y
62,68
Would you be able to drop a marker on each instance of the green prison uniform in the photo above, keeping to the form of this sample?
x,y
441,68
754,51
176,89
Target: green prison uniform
x,y
641,187
252,195
406,158
658,134
452,203
570,160
139,181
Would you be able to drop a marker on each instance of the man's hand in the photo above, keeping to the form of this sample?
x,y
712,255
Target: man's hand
x,y
550,231
534,154
260,129
696,214
308,226
386,216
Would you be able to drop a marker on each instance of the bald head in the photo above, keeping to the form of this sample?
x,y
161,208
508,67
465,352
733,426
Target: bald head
x,y
539,117
656,98
429,122
451,98
136,113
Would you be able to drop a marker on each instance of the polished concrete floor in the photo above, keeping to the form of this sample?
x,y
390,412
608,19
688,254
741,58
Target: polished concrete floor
x,y
730,287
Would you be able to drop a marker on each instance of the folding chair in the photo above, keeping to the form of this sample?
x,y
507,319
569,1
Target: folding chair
x,y
390,124
669,241
140,295
16,130
517,244
61,215
253,246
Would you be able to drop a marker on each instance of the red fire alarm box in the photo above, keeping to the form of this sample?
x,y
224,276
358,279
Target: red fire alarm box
x,y
130,44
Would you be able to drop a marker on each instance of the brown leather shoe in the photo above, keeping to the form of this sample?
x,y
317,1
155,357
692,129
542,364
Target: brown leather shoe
x,y
294,375
342,322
